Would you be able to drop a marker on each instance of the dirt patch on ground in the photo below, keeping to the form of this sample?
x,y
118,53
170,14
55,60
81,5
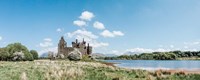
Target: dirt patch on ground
x,y
109,64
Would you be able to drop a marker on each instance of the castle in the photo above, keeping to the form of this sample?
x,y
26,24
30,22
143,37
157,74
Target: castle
x,y
81,46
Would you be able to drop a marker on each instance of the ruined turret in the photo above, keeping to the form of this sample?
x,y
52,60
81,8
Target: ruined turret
x,y
61,46
81,46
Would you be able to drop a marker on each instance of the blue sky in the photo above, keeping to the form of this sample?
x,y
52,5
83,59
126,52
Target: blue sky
x,y
111,26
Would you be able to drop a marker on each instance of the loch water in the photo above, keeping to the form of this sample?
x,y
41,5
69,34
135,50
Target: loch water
x,y
157,64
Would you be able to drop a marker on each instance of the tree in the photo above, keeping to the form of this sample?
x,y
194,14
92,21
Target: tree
x,y
18,47
28,57
34,53
4,55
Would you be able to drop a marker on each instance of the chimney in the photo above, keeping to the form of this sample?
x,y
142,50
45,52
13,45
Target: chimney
x,y
83,40
76,40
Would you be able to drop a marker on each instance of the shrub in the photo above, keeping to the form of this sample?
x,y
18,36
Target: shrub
x,y
10,52
34,53
4,55
86,58
28,57
18,56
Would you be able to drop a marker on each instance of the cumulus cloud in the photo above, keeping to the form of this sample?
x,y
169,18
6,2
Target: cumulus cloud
x,y
97,44
118,33
144,50
98,25
80,34
47,42
59,30
107,33
86,15
79,23
88,37
148,50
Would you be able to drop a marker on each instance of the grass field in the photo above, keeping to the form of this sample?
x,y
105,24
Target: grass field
x,y
71,70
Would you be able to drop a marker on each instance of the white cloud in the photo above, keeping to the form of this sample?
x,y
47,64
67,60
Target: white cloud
x,y
47,39
114,51
1,38
96,44
59,30
80,34
86,15
98,25
143,50
88,36
118,33
107,33
79,23
46,43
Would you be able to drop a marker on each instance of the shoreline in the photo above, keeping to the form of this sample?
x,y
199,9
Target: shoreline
x,y
166,70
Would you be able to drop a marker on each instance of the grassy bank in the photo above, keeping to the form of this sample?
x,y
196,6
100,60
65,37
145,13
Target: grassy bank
x,y
189,58
70,70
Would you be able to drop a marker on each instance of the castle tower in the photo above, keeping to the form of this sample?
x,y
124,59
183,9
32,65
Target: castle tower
x,y
61,46
83,41
84,48
76,41
89,49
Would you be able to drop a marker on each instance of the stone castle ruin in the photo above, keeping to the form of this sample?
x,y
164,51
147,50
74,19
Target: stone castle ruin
x,y
63,49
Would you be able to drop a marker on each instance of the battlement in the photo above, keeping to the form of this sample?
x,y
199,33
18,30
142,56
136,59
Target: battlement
x,y
81,46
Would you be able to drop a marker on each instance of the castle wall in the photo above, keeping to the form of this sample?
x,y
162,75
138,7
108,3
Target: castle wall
x,y
63,49
70,49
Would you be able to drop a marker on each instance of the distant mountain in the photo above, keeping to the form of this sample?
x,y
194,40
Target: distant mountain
x,y
44,55
110,55
131,53
98,55
103,55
